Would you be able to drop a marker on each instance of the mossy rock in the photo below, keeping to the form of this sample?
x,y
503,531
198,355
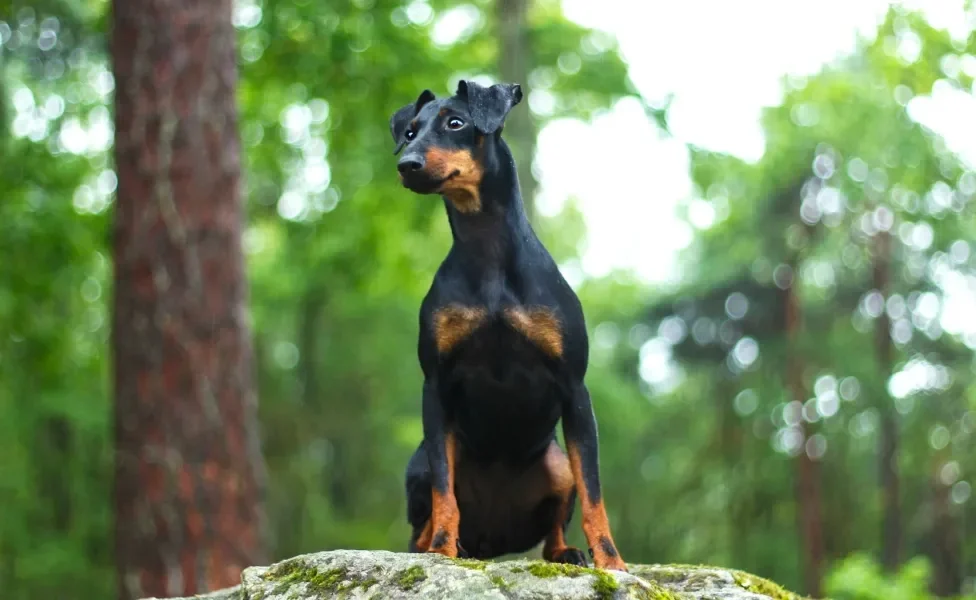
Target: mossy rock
x,y
369,575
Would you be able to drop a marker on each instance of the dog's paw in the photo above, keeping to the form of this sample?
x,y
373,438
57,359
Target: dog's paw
x,y
448,551
570,556
445,544
611,563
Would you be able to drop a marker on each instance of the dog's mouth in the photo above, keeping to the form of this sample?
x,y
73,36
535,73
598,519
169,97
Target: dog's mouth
x,y
422,184
453,174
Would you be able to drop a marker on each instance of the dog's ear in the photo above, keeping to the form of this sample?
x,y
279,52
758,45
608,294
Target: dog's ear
x,y
489,106
401,118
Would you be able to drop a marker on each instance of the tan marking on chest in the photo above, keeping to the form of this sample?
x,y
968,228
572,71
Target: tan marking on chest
x,y
540,326
464,173
454,323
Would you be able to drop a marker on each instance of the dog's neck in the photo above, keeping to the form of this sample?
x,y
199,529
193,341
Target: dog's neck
x,y
489,235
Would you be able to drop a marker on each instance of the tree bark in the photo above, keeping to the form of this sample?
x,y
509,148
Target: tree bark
x,y
891,542
188,470
513,67
808,488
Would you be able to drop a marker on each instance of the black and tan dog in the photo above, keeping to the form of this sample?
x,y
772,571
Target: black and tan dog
x,y
504,350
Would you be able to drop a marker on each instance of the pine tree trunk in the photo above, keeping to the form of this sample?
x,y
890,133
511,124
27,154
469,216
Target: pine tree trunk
x,y
188,473
513,67
807,486
888,451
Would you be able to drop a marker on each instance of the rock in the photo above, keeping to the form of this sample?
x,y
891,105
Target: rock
x,y
375,575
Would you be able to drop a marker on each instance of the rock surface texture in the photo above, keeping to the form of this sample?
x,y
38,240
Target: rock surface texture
x,y
372,575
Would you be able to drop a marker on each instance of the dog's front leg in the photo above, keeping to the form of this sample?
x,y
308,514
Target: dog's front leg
x,y
441,446
580,431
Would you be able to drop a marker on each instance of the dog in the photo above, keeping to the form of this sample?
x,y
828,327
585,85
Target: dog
x,y
503,348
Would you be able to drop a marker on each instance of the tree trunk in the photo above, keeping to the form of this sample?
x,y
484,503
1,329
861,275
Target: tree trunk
x,y
888,452
808,492
188,471
55,446
730,448
513,67
313,398
309,322
944,541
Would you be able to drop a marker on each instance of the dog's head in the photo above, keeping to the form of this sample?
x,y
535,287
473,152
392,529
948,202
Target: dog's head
x,y
443,139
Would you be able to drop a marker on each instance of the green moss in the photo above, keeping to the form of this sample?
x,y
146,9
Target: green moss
x,y
697,577
692,578
499,582
605,585
286,571
294,572
664,575
331,580
468,563
758,585
368,582
700,579
408,578
547,570
639,591
655,592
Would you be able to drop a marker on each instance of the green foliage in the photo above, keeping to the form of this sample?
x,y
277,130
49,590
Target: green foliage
x,y
339,257
696,469
844,160
859,577
54,285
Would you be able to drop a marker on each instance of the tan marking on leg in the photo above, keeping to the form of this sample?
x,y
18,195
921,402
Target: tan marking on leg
x,y
423,540
596,525
445,517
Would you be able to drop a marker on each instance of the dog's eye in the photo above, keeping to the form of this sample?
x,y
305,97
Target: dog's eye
x,y
455,123
410,134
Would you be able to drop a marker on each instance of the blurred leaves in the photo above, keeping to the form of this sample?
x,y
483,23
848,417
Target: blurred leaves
x,y
696,441
858,577
845,164
339,257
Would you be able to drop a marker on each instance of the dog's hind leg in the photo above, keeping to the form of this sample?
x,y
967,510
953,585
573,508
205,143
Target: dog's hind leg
x,y
563,486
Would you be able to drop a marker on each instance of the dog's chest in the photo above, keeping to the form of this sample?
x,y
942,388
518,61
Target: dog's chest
x,y
500,376
507,325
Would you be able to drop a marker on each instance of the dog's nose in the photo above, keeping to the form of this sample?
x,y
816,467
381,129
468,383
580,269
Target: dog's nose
x,y
410,162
